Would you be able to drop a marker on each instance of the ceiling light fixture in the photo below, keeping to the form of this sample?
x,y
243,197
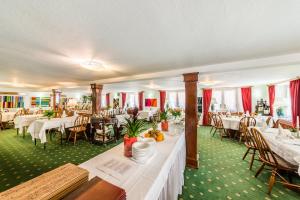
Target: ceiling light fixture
x,y
93,65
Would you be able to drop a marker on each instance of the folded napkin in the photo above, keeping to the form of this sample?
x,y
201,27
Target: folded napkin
x,y
284,133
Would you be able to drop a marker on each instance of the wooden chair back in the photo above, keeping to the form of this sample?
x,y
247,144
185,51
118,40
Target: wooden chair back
x,y
270,120
249,121
218,121
265,152
78,124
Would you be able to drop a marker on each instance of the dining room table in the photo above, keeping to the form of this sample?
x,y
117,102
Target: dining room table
x,y
23,121
161,177
121,119
233,122
286,147
39,127
8,116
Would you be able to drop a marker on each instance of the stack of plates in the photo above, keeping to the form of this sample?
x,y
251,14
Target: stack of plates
x,y
142,151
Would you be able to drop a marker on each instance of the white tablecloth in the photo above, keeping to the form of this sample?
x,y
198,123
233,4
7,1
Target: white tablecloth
x,y
121,119
161,178
146,114
283,147
38,128
233,123
25,120
8,116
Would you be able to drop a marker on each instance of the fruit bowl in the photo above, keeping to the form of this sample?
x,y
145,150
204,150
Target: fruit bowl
x,y
156,134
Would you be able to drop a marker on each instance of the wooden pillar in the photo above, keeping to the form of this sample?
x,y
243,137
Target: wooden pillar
x,y
96,97
191,119
54,99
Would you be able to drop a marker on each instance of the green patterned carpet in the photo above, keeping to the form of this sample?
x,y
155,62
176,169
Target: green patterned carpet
x,y
224,175
20,160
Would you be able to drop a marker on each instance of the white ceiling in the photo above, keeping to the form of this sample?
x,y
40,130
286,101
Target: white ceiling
x,y
42,42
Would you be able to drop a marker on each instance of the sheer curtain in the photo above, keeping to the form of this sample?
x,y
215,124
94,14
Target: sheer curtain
x,y
216,100
181,99
230,100
103,100
282,104
132,100
171,99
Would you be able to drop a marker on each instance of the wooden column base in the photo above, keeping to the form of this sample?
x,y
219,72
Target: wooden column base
x,y
192,163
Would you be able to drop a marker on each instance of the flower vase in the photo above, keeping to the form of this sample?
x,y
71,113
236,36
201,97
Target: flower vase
x,y
164,126
128,142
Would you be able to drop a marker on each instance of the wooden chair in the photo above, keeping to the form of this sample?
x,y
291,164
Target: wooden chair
x,y
245,122
78,128
219,126
270,120
284,124
104,134
211,121
270,159
2,127
287,184
250,144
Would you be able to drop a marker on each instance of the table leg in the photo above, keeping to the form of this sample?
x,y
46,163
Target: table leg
x,y
45,146
35,141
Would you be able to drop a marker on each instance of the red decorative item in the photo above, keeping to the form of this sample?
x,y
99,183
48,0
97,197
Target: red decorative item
x,y
246,98
207,93
123,95
164,126
107,100
162,95
295,99
128,142
141,97
271,90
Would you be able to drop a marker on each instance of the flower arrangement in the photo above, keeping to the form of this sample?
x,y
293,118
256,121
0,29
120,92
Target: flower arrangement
x,y
164,120
49,114
175,112
133,127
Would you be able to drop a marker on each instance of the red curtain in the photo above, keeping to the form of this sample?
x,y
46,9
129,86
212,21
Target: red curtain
x,y
207,93
123,99
107,100
141,100
162,95
271,89
247,99
295,99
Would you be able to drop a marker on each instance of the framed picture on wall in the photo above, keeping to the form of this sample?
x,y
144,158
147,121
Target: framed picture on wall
x,y
151,102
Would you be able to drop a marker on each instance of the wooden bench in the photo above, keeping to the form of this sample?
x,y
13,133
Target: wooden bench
x,y
51,185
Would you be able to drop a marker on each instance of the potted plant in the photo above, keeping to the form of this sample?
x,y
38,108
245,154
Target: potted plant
x,y
164,121
49,114
132,128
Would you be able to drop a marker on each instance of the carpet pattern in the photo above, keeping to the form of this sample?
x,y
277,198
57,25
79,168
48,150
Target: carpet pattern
x,y
224,175
20,160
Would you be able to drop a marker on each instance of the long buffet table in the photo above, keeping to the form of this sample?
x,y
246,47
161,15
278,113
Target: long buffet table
x,y
160,178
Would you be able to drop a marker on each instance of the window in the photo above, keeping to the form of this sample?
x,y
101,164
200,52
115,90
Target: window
x,y
216,100
132,100
103,101
230,100
172,99
282,104
181,99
